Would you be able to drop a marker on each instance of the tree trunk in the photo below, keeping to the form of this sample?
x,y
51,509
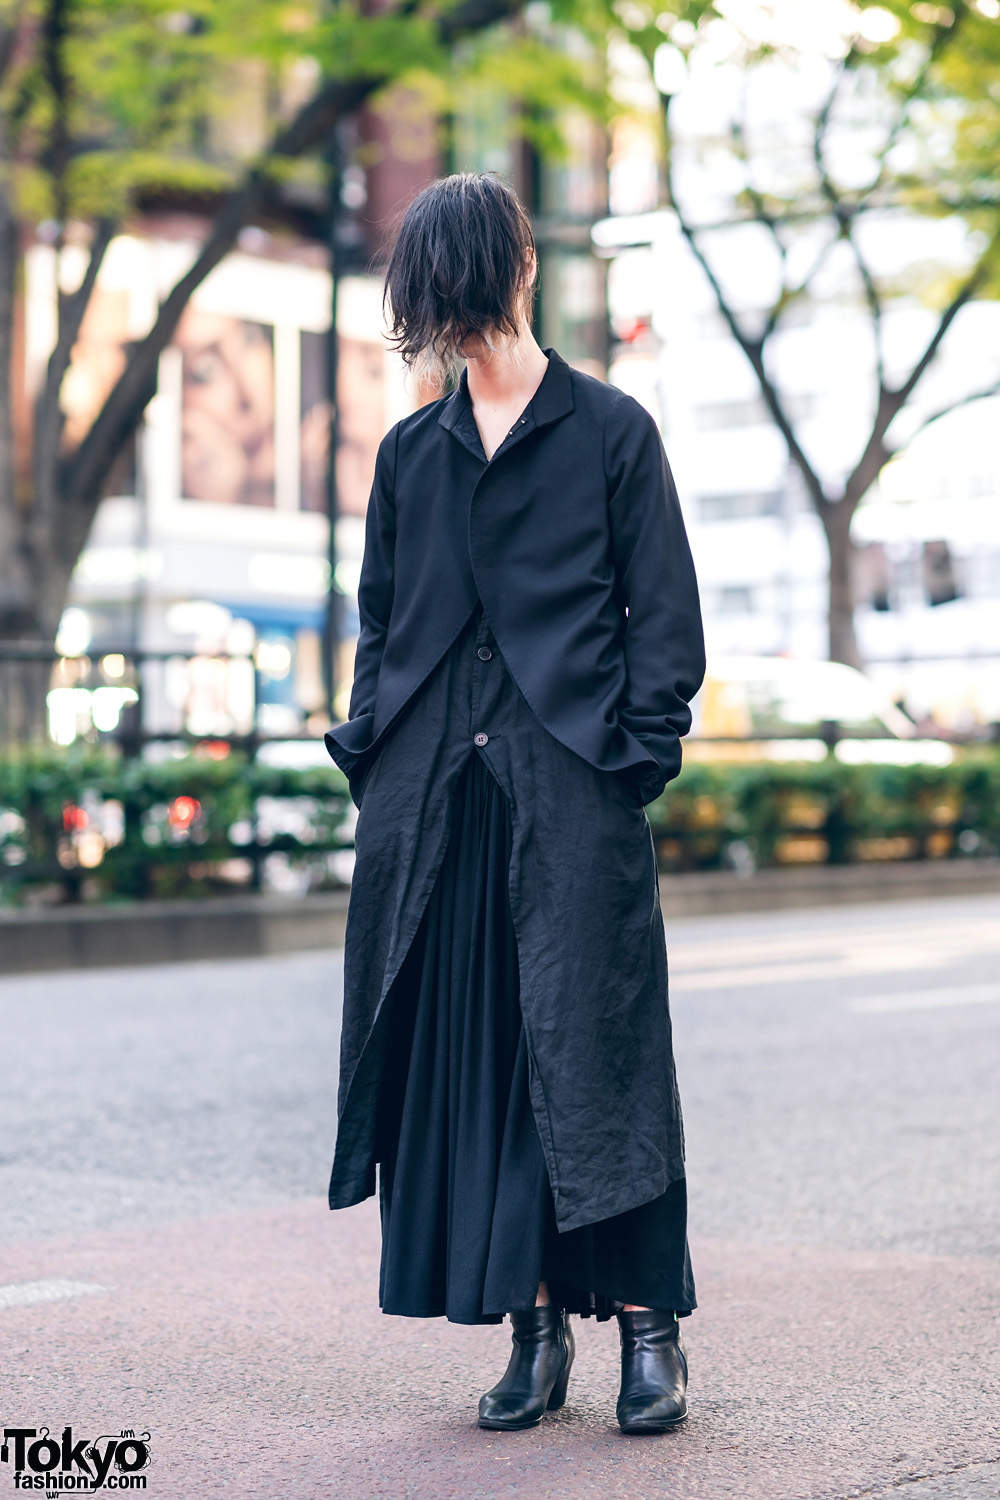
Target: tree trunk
x,y
25,682
843,644
24,679
46,560
22,683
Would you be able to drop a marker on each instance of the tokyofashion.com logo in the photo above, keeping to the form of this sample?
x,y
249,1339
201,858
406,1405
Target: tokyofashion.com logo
x,y
57,1465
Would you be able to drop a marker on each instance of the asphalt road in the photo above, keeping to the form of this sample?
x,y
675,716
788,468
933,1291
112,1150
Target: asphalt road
x,y
167,1262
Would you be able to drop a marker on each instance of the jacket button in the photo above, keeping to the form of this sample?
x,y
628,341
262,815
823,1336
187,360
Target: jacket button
x,y
482,739
484,653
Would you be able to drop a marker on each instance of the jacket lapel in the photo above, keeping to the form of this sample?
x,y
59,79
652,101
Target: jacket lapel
x,y
552,400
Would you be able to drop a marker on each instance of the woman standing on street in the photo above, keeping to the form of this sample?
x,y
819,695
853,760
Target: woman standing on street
x,y
530,640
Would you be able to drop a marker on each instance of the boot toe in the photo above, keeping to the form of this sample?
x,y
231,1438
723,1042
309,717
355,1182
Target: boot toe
x,y
658,1415
501,1413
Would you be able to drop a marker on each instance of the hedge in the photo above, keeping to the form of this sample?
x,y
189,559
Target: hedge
x,y
769,813
83,824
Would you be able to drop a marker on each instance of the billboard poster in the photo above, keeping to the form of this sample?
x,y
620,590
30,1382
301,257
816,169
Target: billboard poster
x,y
361,382
227,409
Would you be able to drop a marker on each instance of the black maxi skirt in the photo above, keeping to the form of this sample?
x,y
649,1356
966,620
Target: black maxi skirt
x,y
468,1226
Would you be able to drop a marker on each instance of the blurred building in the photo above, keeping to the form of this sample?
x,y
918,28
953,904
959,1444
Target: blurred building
x,y
214,538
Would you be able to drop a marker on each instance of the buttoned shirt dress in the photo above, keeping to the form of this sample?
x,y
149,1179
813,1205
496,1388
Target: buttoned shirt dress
x,y
506,1053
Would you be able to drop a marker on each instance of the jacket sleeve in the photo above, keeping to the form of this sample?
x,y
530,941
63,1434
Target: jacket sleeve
x,y
376,587
664,641
349,742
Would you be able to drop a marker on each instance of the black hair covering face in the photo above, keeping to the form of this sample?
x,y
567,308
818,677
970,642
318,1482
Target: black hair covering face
x,y
459,267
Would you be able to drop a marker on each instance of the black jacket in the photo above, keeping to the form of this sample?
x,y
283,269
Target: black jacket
x,y
572,537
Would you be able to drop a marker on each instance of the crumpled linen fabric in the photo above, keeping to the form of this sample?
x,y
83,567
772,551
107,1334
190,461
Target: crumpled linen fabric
x,y
584,901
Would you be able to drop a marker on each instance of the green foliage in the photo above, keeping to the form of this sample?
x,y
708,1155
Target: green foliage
x,y
195,826
114,98
87,823
351,44
771,813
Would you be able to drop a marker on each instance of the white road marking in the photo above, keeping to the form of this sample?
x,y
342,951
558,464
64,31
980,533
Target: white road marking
x,y
845,966
803,957
24,1293
968,994
946,939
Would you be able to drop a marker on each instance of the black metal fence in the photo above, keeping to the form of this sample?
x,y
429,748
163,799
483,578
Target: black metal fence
x,y
133,697
144,808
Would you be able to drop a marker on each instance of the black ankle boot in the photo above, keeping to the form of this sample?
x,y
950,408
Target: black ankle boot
x,y
537,1375
654,1373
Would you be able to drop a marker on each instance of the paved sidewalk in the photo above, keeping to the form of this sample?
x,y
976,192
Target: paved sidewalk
x,y
248,1345
166,1261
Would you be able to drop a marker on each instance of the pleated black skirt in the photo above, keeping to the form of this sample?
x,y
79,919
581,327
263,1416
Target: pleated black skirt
x,y
468,1226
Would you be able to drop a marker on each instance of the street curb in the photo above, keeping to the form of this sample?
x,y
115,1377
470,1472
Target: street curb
x,y
722,892
247,926
158,932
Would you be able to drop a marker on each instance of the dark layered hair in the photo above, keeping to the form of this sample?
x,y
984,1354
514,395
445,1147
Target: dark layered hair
x,y
458,271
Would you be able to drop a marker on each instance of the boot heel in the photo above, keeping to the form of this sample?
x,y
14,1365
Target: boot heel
x,y
558,1396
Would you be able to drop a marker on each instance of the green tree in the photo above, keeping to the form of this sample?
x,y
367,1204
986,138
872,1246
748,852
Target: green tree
x,y
105,102
897,117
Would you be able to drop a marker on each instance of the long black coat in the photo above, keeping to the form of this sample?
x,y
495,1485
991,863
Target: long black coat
x,y
596,560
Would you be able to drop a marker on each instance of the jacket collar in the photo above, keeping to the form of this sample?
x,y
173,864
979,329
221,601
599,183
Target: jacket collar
x,y
552,400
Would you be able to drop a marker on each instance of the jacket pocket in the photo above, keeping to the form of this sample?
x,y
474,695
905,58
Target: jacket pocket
x,y
629,779
359,778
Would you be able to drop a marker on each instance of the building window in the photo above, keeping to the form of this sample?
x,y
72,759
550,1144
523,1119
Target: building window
x,y
733,599
717,416
739,507
873,581
940,582
721,414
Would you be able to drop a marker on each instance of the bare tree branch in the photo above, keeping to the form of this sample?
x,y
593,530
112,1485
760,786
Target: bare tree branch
x,y
875,456
54,32
945,411
48,411
762,214
792,294
754,351
891,401
964,294
818,263
844,217
844,209
873,300
752,348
